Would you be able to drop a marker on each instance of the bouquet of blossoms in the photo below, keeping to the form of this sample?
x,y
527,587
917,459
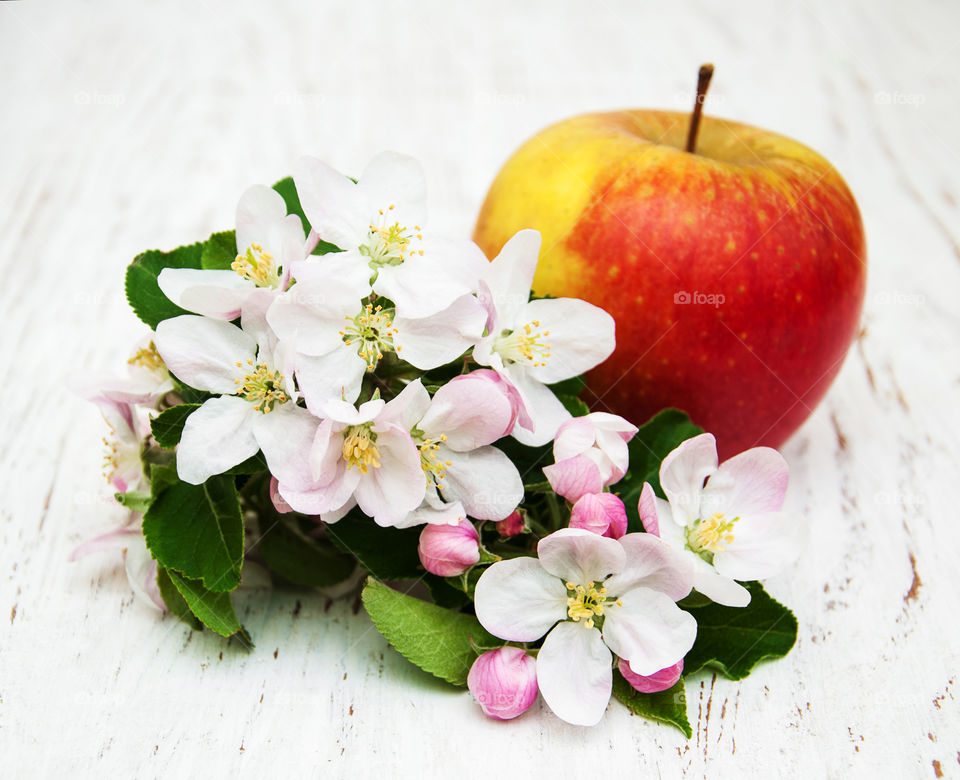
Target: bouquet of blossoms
x,y
335,394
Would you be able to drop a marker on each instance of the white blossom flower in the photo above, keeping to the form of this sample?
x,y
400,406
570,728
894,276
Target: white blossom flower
x,y
608,595
536,343
269,242
727,519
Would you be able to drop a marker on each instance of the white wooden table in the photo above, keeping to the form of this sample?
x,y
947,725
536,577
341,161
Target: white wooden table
x,y
126,126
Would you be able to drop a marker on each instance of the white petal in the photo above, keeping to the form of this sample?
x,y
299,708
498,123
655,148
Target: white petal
x,y
682,474
433,341
580,556
510,276
763,546
470,410
261,214
573,438
651,563
389,493
398,180
332,203
518,601
204,352
337,375
216,437
574,673
408,408
485,481
716,587
312,314
286,436
649,630
215,293
141,571
581,336
544,408
751,483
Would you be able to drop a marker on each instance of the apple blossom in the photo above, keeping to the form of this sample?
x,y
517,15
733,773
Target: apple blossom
x,y
449,550
139,565
512,525
535,343
652,683
608,595
600,513
269,242
727,519
255,406
504,682
590,453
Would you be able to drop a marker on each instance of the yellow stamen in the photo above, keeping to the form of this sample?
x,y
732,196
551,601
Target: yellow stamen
x,y
360,449
262,387
524,345
258,266
713,534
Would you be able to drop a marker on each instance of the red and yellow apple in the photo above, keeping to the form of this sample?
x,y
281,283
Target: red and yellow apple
x,y
735,274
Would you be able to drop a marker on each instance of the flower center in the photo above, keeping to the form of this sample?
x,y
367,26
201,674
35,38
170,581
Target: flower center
x,y
429,462
148,358
585,603
712,535
258,266
372,329
360,449
390,244
524,345
261,386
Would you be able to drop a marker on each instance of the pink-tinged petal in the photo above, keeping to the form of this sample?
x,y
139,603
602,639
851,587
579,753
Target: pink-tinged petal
x,y
763,546
389,493
407,409
716,587
581,336
334,206
338,514
485,481
204,353
286,436
471,410
614,450
683,472
449,550
574,477
613,423
647,509
545,411
751,483
518,601
574,437
510,275
111,540
663,680
216,437
600,513
649,630
141,571
215,293
437,513
575,674
337,375
504,682
579,556
436,340
278,501
395,180
326,454
652,564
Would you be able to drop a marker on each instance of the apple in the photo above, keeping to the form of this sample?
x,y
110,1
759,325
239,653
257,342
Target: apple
x,y
735,273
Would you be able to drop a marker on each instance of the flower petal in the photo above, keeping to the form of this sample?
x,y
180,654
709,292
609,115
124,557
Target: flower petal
x,y
433,341
716,587
337,375
652,683
261,217
751,483
544,409
286,436
574,478
312,314
574,674
484,480
600,513
471,410
763,545
336,209
510,276
216,437
649,630
408,408
389,493
578,556
581,336
518,601
215,293
397,180
682,474
204,352
651,563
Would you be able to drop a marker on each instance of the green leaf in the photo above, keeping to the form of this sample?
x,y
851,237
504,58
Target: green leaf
x,y
162,476
446,591
215,610
252,465
435,639
288,191
299,559
134,500
167,426
574,405
668,706
573,386
197,531
734,639
174,601
219,251
143,293
387,553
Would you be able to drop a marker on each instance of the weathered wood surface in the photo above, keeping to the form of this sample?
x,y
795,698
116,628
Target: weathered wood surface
x,y
127,125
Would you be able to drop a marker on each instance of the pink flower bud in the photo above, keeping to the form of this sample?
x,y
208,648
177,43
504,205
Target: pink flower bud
x,y
449,550
504,682
658,681
601,513
512,525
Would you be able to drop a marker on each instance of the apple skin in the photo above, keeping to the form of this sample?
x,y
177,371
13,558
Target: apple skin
x,y
634,224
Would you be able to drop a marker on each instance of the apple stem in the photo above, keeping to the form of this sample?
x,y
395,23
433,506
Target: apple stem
x,y
703,84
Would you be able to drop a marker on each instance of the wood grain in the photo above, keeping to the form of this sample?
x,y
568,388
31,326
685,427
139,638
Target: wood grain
x,y
127,126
